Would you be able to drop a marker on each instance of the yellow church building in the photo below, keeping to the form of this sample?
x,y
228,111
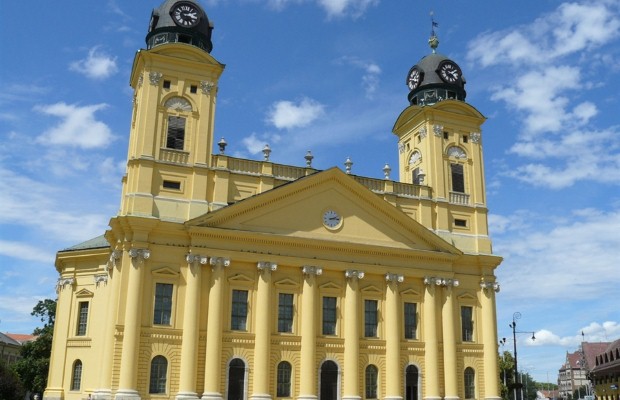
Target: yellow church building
x,y
228,278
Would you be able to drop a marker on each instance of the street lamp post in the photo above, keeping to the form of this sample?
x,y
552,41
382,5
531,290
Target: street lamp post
x,y
518,387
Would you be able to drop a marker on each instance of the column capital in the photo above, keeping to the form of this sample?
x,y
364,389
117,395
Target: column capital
x,y
139,254
63,282
266,266
311,270
115,255
438,281
102,278
196,258
394,278
487,284
219,261
354,274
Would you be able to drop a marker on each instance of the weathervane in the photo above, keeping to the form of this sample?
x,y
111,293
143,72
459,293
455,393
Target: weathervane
x,y
434,40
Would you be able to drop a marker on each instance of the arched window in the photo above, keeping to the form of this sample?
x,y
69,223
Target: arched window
x,y
76,377
328,384
411,382
236,379
284,379
371,381
175,135
159,371
470,383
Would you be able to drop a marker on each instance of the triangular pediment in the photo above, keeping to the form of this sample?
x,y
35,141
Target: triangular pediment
x,y
84,293
371,290
165,273
329,286
410,292
240,278
300,208
467,297
286,283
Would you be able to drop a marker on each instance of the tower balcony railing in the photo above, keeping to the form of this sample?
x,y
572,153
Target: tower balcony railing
x,y
174,156
459,198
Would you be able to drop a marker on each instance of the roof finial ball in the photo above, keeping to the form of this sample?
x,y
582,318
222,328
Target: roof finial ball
x,y
433,41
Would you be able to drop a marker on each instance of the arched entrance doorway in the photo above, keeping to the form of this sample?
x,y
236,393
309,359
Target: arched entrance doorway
x,y
329,381
411,383
236,379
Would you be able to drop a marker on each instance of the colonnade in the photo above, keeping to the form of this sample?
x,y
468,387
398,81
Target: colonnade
x,y
437,304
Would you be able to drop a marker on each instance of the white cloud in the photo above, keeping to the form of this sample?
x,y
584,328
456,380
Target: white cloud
x,y
594,332
552,255
24,251
333,8
287,115
47,209
78,126
370,78
255,144
97,65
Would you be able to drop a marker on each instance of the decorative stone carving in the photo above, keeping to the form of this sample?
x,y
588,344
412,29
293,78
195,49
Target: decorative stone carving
x,y
266,266
139,254
206,86
488,285
438,281
423,132
114,256
311,270
196,258
394,278
219,262
415,157
103,278
401,148
140,80
475,137
353,274
178,104
155,77
438,130
63,282
456,152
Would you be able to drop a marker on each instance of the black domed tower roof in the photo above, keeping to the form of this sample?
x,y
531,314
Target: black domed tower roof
x,y
182,21
435,78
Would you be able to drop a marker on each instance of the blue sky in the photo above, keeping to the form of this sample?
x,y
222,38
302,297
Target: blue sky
x,y
329,76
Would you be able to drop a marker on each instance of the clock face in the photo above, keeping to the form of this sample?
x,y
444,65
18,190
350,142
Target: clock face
x,y
331,219
185,15
414,78
449,72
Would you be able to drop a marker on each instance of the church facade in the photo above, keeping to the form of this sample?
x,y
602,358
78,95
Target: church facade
x,y
229,278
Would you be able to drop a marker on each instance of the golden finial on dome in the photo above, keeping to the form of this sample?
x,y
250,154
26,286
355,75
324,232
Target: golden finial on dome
x,y
433,41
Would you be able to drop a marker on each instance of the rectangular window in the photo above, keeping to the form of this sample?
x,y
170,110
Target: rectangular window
x,y
411,323
467,324
166,84
82,318
458,179
176,133
460,223
371,314
329,315
172,185
163,304
285,312
239,311
193,89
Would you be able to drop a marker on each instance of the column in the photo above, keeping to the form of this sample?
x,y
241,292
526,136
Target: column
x,y
58,363
187,379
352,335
213,360
489,339
431,351
107,354
449,341
262,338
307,385
393,332
127,385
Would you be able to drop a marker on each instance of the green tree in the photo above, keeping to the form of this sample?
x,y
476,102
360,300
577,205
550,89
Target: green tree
x,y
10,386
33,367
506,374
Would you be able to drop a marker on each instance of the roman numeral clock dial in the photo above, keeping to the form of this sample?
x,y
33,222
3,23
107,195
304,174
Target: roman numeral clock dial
x,y
185,15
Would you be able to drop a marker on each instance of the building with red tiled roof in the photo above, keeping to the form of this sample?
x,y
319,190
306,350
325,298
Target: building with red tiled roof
x,y
21,338
606,372
572,376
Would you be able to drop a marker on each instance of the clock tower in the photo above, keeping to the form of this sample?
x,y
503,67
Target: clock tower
x,y
440,149
175,83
